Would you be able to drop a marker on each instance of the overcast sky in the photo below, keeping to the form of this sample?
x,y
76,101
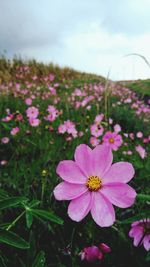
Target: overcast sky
x,y
88,35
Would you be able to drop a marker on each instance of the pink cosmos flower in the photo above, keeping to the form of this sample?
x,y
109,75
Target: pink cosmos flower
x,y
34,122
28,101
141,151
113,140
96,130
94,253
15,130
91,254
139,134
32,112
140,231
94,141
99,118
62,129
93,184
5,140
117,128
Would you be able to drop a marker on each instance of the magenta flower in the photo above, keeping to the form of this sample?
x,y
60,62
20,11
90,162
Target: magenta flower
x,y
94,253
113,140
34,122
15,130
141,151
91,254
96,130
93,184
5,140
32,112
140,231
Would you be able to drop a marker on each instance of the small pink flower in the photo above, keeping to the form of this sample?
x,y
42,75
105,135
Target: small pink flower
x,y
93,184
3,162
19,117
113,140
96,130
94,141
117,128
34,122
5,140
28,101
99,118
139,135
94,253
91,254
62,129
141,151
32,112
15,130
140,231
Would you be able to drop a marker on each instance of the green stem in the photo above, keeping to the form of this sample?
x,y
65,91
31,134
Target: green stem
x,y
16,220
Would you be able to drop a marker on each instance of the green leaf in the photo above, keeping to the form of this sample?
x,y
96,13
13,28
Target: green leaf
x,y
39,260
47,215
143,197
11,202
2,262
34,203
12,239
29,218
3,194
141,216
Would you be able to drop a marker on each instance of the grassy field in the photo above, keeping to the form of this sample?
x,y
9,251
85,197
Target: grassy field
x,y
45,113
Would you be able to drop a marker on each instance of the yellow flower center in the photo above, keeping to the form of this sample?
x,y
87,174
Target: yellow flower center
x,y
111,140
94,183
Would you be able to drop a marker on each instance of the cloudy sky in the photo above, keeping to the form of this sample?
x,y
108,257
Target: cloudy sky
x,y
88,35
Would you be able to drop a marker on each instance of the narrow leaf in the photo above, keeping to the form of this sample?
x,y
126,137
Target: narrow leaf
x,y
40,260
11,202
12,239
47,216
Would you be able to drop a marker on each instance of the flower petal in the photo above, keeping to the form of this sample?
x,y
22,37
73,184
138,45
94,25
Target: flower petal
x,y
119,172
68,191
80,207
83,158
102,159
69,171
119,194
146,242
102,210
137,233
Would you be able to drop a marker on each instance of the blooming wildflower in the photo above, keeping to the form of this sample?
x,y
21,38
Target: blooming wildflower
x,y
117,128
96,130
3,162
113,140
28,101
34,122
32,112
93,185
139,135
15,130
94,141
99,118
5,140
62,129
140,231
91,254
94,253
141,151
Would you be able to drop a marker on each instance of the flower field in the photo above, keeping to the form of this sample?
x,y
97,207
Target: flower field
x,y
74,169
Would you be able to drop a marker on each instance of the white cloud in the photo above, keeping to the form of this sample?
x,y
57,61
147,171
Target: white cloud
x,y
89,35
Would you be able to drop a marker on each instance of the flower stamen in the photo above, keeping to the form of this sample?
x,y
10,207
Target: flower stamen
x,y
94,183
111,140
